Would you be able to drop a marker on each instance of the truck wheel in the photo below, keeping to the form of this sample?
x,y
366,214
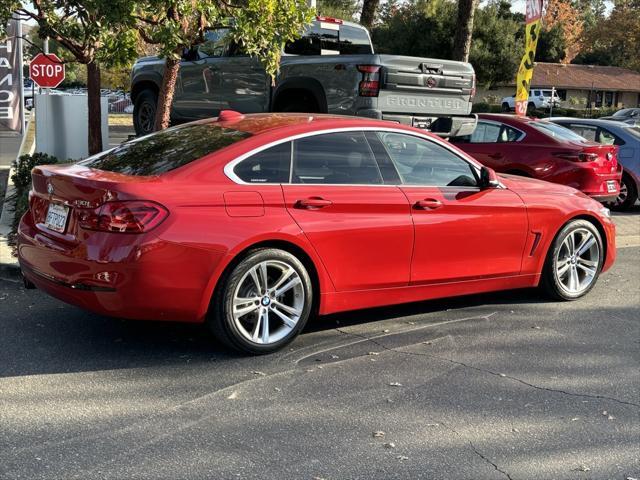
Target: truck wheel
x,y
506,107
531,107
144,112
299,102
628,194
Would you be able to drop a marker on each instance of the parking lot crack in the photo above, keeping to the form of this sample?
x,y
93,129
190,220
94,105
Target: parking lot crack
x,y
488,371
475,450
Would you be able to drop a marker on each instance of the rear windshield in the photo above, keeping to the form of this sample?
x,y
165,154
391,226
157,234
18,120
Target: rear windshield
x,y
557,131
331,39
166,150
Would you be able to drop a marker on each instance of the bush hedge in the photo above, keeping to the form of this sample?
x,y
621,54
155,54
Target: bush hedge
x,y
21,179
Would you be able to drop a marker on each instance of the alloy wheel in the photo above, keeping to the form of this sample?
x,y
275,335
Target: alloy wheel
x,y
146,117
577,261
268,302
622,196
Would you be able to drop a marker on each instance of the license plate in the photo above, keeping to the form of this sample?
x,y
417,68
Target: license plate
x,y
612,186
56,217
423,123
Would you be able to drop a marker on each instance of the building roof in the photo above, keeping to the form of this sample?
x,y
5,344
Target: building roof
x,y
585,77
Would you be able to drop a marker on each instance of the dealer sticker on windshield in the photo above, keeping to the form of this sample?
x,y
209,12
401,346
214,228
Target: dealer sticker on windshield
x,y
57,217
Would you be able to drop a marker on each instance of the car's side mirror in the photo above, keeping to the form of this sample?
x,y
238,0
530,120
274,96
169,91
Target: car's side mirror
x,y
488,178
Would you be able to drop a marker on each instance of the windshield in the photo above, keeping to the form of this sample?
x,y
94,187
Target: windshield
x,y
166,150
557,131
625,112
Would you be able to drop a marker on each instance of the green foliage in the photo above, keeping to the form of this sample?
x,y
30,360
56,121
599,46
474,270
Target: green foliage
x,y
21,179
551,45
484,107
344,9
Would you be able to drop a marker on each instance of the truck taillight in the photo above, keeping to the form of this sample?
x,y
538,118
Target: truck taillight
x,y
473,87
135,216
369,86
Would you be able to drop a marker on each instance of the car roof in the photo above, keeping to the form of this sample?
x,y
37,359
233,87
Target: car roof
x,y
591,121
259,123
506,117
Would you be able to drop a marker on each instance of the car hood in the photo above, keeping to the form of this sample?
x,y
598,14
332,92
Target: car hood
x,y
524,184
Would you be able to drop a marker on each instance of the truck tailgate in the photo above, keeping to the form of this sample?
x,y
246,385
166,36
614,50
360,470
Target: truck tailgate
x,y
415,85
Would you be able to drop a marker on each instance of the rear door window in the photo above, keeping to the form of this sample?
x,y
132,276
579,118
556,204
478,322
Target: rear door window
x,y
335,158
167,150
485,133
268,166
327,38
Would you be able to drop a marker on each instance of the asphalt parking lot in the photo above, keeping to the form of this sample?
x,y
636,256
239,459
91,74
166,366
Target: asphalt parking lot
x,y
497,386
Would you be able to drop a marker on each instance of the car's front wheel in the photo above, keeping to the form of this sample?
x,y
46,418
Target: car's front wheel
x,y
263,303
574,261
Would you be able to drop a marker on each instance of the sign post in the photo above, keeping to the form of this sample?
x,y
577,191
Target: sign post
x,y
525,71
46,70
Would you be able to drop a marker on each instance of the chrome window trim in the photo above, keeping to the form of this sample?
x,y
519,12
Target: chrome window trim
x,y
228,168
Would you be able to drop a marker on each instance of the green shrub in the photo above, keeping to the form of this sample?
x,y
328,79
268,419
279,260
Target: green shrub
x,y
22,176
21,179
481,107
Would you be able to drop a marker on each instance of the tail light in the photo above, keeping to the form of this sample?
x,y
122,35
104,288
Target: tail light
x,y
370,84
577,157
473,87
134,216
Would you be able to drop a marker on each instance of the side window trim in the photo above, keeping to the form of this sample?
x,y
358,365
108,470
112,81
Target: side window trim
x,y
230,165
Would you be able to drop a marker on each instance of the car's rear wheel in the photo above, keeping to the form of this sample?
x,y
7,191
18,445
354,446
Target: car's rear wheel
x,y
574,261
144,112
263,303
628,194
505,107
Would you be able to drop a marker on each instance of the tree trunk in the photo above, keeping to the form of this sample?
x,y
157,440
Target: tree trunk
x,y
93,100
368,14
167,90
464,31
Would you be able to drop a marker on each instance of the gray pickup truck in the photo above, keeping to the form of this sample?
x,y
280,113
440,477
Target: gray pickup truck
x,y
332,68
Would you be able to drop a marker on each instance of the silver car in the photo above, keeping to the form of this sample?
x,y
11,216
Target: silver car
x,y
626,137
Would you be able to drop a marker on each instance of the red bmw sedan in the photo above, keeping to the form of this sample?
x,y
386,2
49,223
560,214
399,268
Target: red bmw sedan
x,y
540,149
254,223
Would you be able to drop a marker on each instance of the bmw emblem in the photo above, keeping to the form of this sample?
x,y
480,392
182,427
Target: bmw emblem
x,y
50,189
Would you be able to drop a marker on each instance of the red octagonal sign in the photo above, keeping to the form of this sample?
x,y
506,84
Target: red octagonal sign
x,y
47,71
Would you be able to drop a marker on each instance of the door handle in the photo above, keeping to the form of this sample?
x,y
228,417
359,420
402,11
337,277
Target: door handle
x,y
428,204
496,156
312,203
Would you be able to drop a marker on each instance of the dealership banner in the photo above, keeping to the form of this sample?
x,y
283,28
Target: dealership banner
x,y
525,71
11,86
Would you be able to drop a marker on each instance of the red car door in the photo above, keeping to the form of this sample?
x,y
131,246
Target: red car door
x,y
360,227
461,231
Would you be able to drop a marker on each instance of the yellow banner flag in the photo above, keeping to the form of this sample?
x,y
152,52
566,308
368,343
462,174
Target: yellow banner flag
x,y
525,71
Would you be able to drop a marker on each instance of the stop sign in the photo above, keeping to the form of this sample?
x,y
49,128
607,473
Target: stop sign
x,y
47,71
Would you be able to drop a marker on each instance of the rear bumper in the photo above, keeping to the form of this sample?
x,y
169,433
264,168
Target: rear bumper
x,y
595,185
442,125
125,276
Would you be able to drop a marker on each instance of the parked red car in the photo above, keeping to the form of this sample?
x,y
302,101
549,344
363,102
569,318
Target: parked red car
x,y
540,149
252,223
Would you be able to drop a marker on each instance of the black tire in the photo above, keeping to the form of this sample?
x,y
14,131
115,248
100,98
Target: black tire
x,y
301,102
505,107
622,204
144,112
531,107
221,321
550,282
